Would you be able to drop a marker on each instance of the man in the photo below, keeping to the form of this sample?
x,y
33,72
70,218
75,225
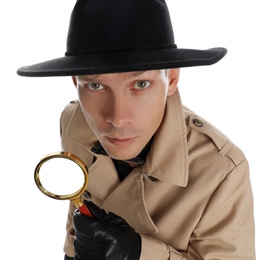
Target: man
x,y
164,183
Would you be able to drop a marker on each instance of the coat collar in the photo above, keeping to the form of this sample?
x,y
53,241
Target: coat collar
x,y
168,156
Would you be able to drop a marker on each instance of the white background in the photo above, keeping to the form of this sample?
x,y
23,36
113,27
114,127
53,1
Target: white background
x,y
239,95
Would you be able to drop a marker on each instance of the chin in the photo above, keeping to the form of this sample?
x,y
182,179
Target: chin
x,y
122,158
122,155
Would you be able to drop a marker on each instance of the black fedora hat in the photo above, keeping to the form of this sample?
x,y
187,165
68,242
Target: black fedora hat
x,y
107,36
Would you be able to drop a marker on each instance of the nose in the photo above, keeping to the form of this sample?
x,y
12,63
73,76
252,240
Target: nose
x,y
119,111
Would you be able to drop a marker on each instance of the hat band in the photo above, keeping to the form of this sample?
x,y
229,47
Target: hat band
x,y
120,48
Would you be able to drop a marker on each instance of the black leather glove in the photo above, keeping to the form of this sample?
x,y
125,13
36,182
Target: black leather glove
x,y
104,237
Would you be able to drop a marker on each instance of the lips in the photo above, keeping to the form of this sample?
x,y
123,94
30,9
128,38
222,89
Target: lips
x,y
120,141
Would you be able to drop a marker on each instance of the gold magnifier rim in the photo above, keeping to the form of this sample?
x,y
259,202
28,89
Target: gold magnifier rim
x,y
65,155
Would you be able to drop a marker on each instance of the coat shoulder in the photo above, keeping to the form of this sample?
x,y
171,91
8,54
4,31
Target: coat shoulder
x,y
223,144
68,111
70,107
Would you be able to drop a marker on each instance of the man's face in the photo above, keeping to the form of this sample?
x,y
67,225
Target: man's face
x,y
124,110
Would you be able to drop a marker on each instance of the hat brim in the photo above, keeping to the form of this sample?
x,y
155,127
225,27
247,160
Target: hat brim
x,y
123,61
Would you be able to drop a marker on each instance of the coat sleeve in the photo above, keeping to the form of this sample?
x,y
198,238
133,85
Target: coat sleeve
x,y
70,233
226,229
66,115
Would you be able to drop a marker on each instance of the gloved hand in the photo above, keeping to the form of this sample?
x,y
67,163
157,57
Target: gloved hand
x,y
104,237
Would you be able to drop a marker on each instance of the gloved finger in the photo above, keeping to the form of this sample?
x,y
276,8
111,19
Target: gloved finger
x,y
88,251
86,226
104,216
95,210
81,252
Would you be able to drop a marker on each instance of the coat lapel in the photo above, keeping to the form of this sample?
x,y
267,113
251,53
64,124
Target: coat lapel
x,y
127,201
103,178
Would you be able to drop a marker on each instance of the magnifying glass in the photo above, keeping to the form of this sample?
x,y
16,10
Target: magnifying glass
x,y
65,177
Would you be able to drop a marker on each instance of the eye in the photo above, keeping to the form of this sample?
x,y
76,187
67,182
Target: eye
x,y
94,86
142,84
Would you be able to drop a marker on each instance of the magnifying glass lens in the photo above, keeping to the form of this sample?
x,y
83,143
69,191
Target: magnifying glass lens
x,y
63,176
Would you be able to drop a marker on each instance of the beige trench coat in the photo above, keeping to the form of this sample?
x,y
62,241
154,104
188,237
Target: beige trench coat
x,y
191,199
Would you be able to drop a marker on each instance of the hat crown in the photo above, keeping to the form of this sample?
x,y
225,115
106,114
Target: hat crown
x,y
114,36
111,25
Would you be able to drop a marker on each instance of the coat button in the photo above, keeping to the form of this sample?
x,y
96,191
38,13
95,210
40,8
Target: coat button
x,y
198,122
87,194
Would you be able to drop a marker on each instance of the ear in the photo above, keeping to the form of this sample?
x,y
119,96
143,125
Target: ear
x,y
173,77
74,79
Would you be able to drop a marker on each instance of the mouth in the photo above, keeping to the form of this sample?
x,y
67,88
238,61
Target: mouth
x,y
120,141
